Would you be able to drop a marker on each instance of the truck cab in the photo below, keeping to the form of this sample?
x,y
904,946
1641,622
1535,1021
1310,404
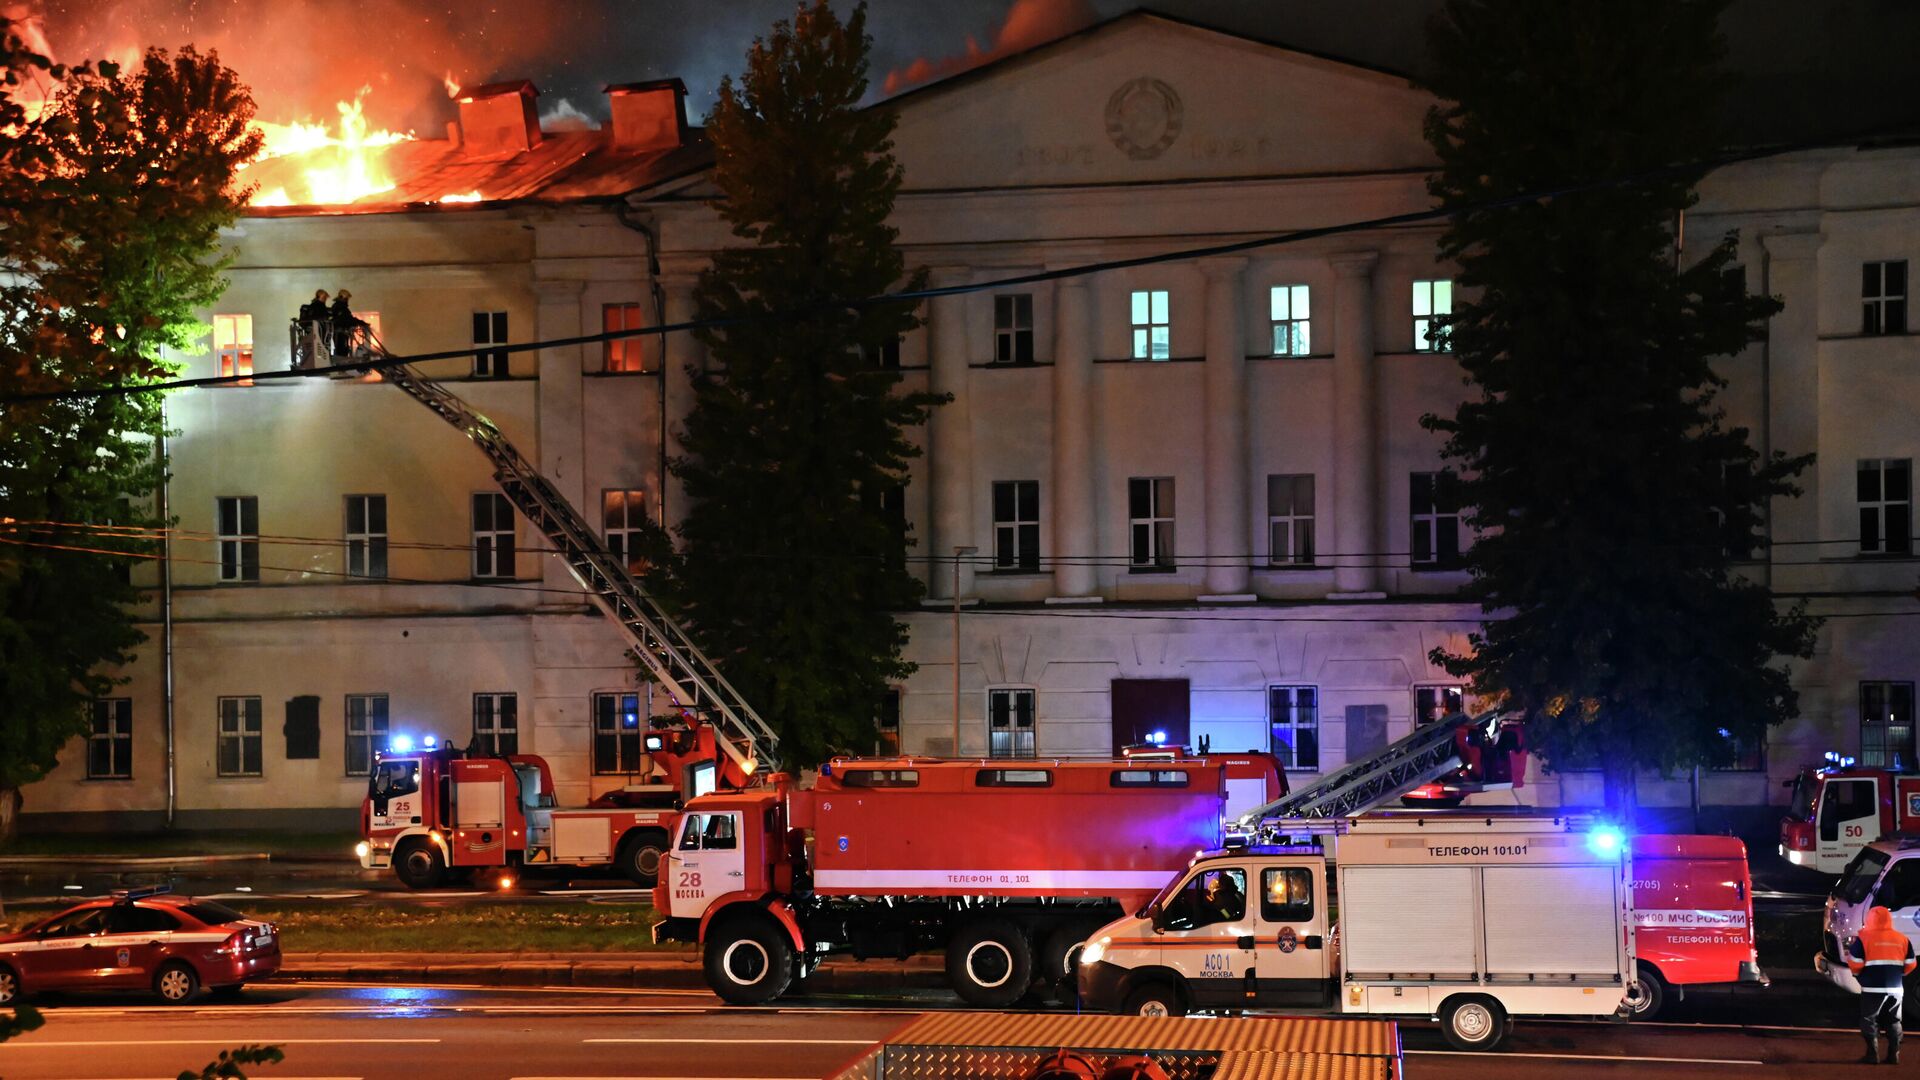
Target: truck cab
x,y
1838,810
1883,874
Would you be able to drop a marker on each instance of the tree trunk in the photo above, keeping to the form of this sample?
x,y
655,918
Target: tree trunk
x,y
9,814
1621,779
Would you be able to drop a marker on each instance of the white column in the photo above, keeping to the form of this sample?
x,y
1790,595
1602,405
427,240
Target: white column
x,y
949,438
1355,429
1228,555
682,355
1793,391
562,442
1072,498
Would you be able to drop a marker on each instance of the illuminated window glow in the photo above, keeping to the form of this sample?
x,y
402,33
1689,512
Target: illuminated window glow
x,y
1152,334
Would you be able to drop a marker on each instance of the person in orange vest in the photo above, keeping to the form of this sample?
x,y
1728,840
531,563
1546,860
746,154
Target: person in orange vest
x,y
1881,958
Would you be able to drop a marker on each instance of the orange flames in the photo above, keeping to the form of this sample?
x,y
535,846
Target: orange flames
x,y
1028,23
338,166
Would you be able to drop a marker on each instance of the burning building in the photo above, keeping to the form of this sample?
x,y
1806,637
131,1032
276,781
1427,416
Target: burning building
x,y
1203,502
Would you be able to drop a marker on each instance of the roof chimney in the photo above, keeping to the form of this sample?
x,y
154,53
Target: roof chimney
x,y
649,115
499,119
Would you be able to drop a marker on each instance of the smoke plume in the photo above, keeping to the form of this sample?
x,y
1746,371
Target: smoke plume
x,y
1028,23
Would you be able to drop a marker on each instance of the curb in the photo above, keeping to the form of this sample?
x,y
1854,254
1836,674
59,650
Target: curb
x,y
7,861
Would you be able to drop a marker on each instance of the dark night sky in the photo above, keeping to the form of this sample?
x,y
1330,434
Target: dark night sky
x,y
1805,65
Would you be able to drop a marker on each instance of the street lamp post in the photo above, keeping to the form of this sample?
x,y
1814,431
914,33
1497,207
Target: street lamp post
x,y
958,554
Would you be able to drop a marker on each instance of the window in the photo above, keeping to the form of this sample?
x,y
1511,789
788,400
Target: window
x,y
110,742
492,536
1436,521
1432,302
238,518
366,731
1286,894
367,536
1013,328
489,328
884,356
1883,297
880,778
1749,752
1151,338
1209,897
1013,778
627,354
1010,724
233,344
239,744
887,724
623,517
1435,703
134,919
1900,889
1150,517
616,734
1884,489
1137,778
1016,525
1290,520
1293,713
1291,336
1886,725
496,723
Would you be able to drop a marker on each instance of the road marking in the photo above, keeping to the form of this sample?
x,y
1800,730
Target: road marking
x,y
31,1044
749,1042
1587,1057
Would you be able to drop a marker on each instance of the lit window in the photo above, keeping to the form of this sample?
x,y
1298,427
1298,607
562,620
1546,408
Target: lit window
x,y
1435,703
366,731
1883,297
239,747
1152,339
623,517
1884,489
1432,303
1016,525
1436,521
627,354
110,742
1013,328
1886,725
1290,520
238,537
492,536
233,344
618,728
1150,522
1291,336
490,328
367,536
1010,724
496,723
1294,715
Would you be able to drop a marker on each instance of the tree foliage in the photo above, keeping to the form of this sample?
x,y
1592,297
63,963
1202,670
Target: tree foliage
x,y
111,203
1612,498
231,1064
790,567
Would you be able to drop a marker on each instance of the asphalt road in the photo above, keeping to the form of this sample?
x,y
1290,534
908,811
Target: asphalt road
x,y
345,1030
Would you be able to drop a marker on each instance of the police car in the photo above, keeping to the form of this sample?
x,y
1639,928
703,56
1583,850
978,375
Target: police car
x,y
139,939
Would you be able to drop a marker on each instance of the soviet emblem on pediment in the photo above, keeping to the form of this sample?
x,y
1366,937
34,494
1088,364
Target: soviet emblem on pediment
x,y
1144,117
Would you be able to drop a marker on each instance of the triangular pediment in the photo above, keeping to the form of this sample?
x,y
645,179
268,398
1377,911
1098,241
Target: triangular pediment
x,y
1148,98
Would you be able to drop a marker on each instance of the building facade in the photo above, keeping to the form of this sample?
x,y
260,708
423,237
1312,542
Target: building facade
x,y
1189,500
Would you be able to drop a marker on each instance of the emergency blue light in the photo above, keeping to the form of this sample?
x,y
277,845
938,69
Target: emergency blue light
x,y
1606,840
1158,738
429,742
402,744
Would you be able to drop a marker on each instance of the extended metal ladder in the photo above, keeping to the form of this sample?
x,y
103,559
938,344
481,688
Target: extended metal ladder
x,y
670,656
1430,752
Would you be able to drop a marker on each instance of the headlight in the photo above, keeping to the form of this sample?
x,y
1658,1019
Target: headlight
x,y
361,850
1095,950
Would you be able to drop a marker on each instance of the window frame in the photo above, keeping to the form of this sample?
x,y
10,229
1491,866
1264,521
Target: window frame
x,y
1436,513
1010,741
1016,538
1289,755
1290,311
1013,334
1883,309
1441,690
1151,537
1152,325
628,747
240,563
234,358
499,739
1432,300
375,725
489,569
490,331
1292,521
373,541
116,736
627,355
620,538
1882,508
1290,913
248,728
886,723
1880,752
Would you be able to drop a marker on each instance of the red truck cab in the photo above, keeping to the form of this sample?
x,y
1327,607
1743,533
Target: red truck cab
x,y
1837,811
1693,918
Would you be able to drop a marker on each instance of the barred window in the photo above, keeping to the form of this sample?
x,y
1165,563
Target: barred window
x,y
110,742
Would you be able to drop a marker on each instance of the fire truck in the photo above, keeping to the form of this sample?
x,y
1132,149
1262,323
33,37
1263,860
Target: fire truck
x,y
1692,918
440,814
1841,808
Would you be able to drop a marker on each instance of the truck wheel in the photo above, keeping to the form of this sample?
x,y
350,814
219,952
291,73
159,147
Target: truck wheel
x,y
1155,999
418,865
749,961
990,963
1472,1022
1648,994
639,858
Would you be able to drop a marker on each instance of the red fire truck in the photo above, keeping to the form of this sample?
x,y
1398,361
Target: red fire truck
x,y
1839,809
440,813
1692,918
1006,865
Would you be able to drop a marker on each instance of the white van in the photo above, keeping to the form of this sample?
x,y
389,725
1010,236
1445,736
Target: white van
x,y
1884,874
1469,921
